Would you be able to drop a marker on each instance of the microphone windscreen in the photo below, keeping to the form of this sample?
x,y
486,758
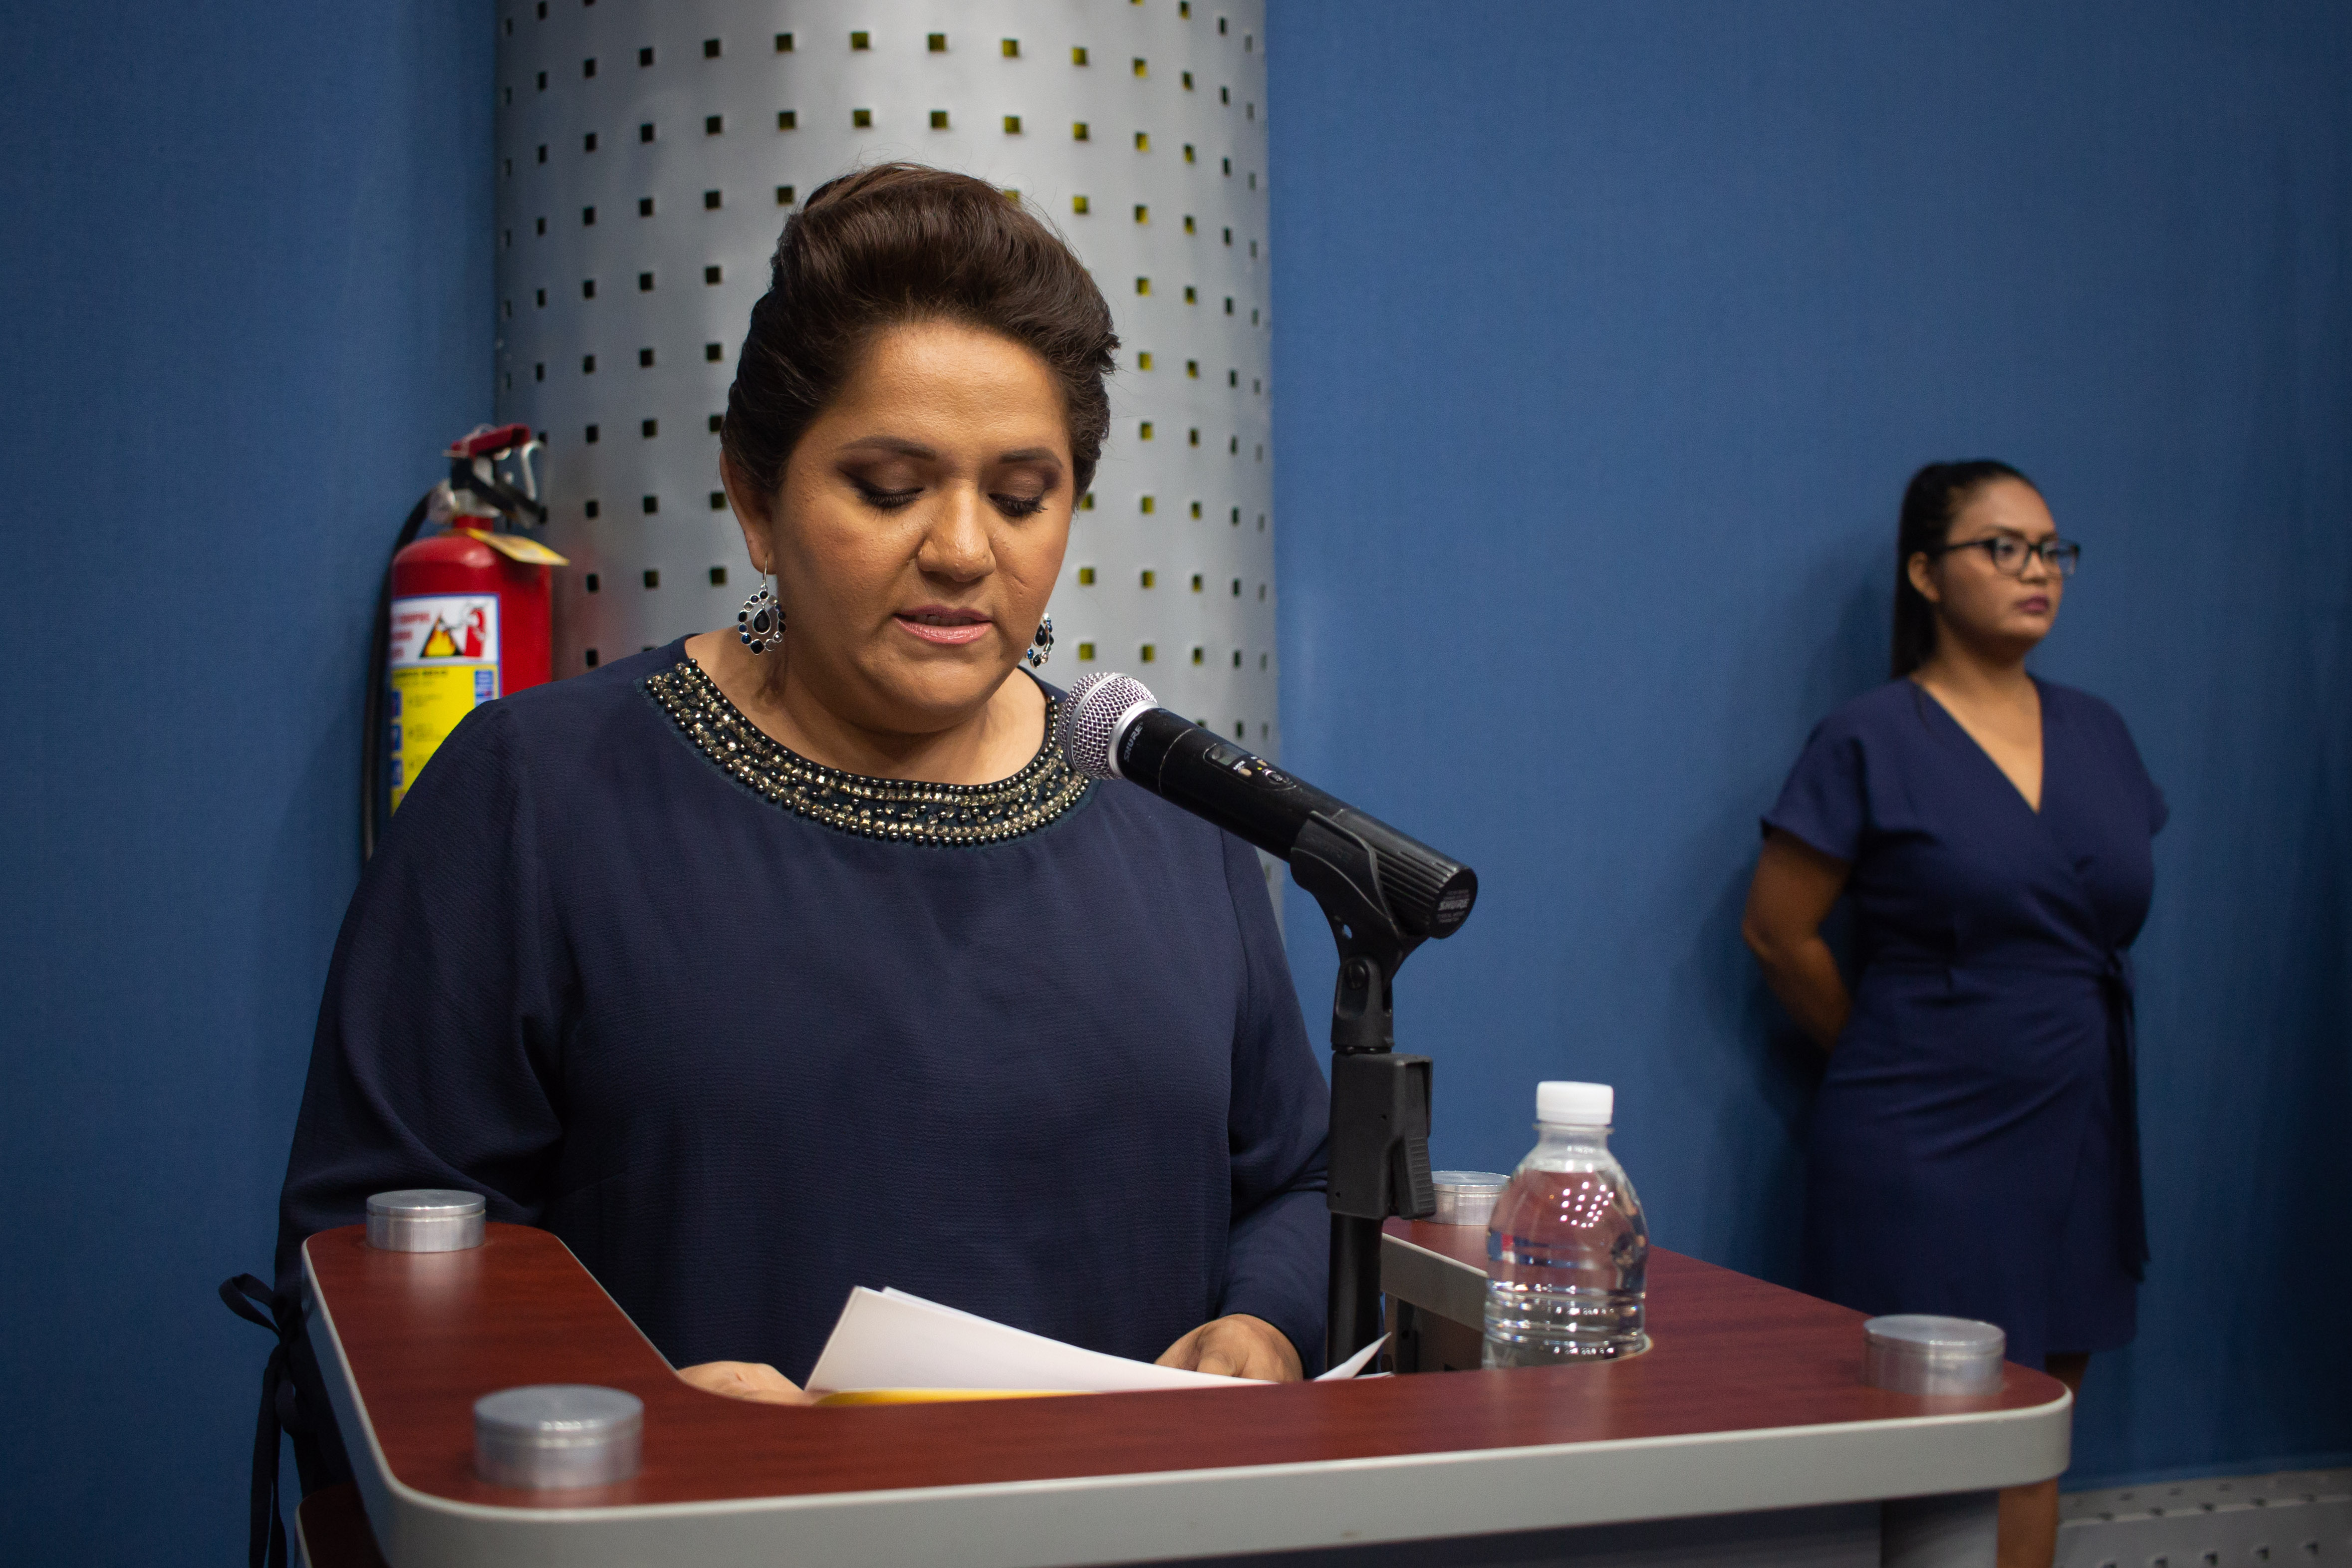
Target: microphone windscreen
x,y
1089,724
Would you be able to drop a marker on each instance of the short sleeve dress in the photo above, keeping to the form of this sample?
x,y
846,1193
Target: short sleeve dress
x,y
1974,1149
745,1031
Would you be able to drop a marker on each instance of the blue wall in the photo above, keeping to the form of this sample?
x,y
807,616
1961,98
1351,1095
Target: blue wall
x,y
247,258
1606,337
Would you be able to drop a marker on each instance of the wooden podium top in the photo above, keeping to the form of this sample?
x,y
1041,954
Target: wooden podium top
x,y
1751,1398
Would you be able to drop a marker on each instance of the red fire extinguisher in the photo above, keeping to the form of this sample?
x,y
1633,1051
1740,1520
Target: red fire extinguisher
x,y
465,617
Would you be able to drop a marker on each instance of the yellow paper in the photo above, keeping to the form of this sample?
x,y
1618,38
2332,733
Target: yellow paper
x,y
939,1395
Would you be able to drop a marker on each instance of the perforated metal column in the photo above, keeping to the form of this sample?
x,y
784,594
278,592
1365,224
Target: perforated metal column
x,y
648,155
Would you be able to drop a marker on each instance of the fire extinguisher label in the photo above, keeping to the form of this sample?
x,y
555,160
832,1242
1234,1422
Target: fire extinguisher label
x,y
445,663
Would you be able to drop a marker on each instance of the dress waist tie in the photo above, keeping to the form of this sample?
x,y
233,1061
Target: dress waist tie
x,y
2122,1064
2115,977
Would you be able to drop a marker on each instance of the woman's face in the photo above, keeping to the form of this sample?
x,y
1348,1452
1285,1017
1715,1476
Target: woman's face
x,y
1974,598
919,527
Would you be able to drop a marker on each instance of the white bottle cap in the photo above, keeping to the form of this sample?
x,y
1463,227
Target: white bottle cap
x,y
1575,1104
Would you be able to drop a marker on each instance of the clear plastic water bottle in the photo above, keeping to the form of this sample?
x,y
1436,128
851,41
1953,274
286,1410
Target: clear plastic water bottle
x,y
1568,1251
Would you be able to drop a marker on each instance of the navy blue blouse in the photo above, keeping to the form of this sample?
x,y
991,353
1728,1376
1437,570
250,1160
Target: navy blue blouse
x,y
1974,1147
746,1032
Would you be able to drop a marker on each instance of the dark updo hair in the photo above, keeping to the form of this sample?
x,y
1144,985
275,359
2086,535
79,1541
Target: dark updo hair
x,y
902,243
1931,502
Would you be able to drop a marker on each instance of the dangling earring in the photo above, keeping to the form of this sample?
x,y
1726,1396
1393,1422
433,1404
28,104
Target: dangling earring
x,y
1041,647
761,619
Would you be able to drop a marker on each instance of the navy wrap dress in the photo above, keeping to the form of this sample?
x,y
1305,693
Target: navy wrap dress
x,y
745,1032
1974,1149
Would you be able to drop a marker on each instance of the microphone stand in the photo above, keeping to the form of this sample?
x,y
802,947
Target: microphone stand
x,y
1379,1100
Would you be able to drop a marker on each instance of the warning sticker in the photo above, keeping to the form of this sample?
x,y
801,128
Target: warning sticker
x,y
446,628
444,664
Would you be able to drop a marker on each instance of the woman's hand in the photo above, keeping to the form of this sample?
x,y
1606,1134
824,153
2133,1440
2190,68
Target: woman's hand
x,y
1238,1346
753,1380
1796,886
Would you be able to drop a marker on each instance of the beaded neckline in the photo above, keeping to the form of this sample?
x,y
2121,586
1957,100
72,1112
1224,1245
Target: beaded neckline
x,y
898,810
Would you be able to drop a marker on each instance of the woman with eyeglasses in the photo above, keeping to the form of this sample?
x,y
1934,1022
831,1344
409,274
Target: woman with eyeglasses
x,y
1974,1148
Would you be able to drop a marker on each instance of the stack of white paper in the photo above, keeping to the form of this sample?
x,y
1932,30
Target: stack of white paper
x,y
887,1338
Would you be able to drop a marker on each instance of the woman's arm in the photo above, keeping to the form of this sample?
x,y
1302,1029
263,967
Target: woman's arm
x,y
436,1031
1270,1321
1795,886
436,1037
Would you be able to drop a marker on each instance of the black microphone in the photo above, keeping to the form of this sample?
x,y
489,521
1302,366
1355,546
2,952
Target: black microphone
x,y
1112,727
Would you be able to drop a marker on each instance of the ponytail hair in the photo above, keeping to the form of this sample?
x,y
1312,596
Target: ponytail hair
x,y
1930,503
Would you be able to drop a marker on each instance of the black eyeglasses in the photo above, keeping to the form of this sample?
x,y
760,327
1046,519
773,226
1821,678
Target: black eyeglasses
x,y
2010,553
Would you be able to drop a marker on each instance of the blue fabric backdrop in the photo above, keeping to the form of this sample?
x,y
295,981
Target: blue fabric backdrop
x,y
247,258
1605,338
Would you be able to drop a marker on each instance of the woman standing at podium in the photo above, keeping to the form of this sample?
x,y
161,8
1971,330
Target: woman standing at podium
x,y
794,957
1974,1149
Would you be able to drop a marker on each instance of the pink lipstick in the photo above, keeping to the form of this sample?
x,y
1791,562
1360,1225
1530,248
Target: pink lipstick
x,y
945,625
